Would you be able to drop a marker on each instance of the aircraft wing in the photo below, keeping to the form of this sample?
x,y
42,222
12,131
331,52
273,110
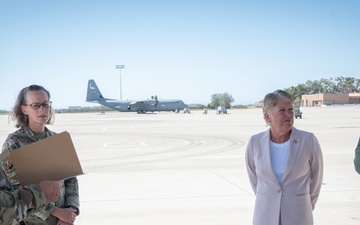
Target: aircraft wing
x,y
143,103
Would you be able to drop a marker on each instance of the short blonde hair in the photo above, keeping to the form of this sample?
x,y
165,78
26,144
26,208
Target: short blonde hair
x,y
273,98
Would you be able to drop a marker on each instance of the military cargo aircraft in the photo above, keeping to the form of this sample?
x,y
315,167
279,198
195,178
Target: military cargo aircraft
x,y
140,106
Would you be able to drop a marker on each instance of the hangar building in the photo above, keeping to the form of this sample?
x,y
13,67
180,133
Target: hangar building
x,y
329,99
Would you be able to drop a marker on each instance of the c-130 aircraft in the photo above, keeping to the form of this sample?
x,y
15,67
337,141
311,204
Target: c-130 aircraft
x,y
140,106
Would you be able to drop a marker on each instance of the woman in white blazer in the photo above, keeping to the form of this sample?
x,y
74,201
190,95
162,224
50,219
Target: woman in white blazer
x,y
284,165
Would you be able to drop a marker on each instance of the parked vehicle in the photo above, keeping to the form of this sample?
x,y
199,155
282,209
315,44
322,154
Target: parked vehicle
x,y
297,112
221,109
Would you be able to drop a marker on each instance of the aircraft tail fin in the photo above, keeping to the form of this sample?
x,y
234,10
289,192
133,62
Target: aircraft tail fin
x,y
93,92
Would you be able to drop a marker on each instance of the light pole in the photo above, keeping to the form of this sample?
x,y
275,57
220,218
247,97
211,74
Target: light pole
x,y
120,67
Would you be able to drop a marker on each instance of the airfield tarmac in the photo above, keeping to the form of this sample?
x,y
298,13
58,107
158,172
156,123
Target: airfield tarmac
x,y
166,168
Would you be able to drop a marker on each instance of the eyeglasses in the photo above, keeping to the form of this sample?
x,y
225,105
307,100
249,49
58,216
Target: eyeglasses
x,y
45,105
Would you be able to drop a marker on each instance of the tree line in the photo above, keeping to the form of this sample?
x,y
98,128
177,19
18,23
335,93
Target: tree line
x,y
323,86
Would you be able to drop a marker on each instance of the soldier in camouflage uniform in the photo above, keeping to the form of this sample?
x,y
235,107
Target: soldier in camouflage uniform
x,y
357,157
16,205
31,113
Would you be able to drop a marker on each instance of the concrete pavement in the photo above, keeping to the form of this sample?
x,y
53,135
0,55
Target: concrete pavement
x,y
166,168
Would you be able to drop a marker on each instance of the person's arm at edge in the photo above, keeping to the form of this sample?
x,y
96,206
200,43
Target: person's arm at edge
x,y
23,202
316,173
357,158
250,166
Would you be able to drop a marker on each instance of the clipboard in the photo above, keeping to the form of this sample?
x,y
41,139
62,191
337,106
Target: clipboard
x,y
53,158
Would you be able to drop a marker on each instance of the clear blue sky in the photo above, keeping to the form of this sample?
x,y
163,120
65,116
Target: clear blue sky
x,y
182,49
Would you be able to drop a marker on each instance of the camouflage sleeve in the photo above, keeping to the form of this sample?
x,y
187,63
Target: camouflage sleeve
x,y
39,197
357,158
71,199
72,193
16,205
9,145
44,212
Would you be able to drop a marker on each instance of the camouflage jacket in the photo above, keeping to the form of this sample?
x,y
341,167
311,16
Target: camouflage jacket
x,y
357,157
69,191
16,205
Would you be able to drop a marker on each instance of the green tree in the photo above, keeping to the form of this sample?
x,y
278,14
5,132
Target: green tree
x,y
297,91
325,86
347,84
223,99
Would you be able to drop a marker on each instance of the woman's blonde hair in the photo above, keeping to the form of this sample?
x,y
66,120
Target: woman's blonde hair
x,y
20,119
273,98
